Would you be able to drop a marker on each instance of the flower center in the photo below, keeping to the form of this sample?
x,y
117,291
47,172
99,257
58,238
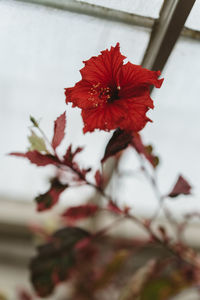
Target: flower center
x,y
104,94
114,95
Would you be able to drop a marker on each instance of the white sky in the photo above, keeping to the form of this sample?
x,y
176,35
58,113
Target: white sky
x,y
193,20
41,53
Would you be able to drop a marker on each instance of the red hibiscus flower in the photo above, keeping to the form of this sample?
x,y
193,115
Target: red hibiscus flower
x,y
112,94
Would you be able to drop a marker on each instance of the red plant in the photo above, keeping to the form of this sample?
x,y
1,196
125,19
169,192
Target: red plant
x,y
112,95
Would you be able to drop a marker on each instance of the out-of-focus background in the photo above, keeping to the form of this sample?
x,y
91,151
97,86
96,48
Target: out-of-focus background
x,y
42,46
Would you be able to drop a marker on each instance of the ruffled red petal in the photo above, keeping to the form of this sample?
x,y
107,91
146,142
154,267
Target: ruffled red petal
x,y
126,114
107,117
134,80
140,95
82,95
136,110
104,68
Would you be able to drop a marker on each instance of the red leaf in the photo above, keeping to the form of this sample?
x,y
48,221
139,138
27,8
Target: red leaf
x,y
69,161
55,260
59,130
114,208
75,213
144,150
50,198
37,158
181,187
98,178
119,141
70,155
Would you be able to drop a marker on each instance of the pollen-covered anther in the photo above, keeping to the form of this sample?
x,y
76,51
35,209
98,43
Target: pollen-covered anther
x,y
96,85
104,92
91,99
92,91
118,87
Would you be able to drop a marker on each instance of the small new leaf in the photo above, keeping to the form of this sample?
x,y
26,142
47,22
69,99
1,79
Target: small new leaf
x,y
33,120
182,187
37,143
59,130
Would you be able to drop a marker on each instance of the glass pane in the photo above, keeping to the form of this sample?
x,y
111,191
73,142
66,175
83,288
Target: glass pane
x,y
139,7
193,20
41,52
174,132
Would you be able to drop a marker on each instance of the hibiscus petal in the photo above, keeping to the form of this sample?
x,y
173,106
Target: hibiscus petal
x,y
104,68
135,80
143,100
107,117
82,95
135,110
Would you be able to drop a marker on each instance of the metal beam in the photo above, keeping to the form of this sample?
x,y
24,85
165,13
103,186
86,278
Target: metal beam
x,y
107,13
95,11
166,32
191,33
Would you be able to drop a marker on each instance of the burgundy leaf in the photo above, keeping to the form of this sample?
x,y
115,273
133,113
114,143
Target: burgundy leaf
x,y
50,198
37,158
181,187
75,213
144,150
59,130
68,160
55,260
119,141
70,155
